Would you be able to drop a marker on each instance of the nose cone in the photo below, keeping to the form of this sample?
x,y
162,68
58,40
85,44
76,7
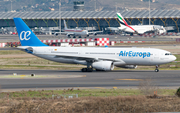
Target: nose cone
x,y
173,58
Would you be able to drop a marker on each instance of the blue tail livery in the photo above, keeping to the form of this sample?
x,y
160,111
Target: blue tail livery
x,y
26,36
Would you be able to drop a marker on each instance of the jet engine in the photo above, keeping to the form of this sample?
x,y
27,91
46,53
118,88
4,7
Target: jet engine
x,y
103,65
128,66
68,35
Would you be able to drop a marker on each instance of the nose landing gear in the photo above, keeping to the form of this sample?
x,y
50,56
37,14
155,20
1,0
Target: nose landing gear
x,y
156,70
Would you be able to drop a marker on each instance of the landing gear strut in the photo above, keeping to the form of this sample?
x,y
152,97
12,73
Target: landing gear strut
x,y
88,69
157,70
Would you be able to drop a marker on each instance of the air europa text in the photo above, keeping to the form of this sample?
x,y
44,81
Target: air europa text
x,y
135,54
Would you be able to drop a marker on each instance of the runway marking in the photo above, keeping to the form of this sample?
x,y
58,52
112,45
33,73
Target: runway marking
x,y
130,79
114,87
40,76
100,87
22,75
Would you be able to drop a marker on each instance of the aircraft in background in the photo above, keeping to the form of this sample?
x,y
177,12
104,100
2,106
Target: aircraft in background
x,y
101,59
139,29
76,32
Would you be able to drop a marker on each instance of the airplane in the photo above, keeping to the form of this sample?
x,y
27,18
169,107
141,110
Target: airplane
x,y
139,29
76,32
99,58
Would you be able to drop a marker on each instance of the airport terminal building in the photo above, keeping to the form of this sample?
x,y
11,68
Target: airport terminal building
x,y
98,19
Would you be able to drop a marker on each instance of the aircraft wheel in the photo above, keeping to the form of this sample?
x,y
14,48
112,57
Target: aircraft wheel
x,y
84,69
74,36
89,69
156,70
79,36
98,70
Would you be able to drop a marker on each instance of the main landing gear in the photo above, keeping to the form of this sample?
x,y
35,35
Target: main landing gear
x,y
89,68
156,70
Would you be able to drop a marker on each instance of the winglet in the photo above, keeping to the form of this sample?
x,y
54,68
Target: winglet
x,y
26,36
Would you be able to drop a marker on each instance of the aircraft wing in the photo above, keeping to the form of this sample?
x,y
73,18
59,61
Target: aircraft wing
x,y
143,31
113,28
95,32
88,58
63,33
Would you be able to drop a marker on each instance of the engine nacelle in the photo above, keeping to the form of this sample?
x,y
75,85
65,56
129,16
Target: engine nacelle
x,y
103,65
55,34
128,66
68,35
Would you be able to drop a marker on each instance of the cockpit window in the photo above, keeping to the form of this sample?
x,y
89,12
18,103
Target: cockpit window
x,y
168,54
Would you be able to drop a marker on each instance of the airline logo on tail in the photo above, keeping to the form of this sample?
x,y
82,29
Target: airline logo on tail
x,y
123,22
24,35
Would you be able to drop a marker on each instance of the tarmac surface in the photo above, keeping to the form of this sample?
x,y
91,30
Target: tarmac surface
x,y
120,79
15,38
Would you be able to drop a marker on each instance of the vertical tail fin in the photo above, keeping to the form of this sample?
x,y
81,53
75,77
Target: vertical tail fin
x,y
123,22
26,36
121,19
65,26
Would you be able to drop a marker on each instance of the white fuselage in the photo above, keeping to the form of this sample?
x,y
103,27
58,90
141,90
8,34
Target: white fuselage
x,y
76,32
141,29
125,56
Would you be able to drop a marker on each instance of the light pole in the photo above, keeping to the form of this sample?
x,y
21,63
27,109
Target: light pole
x,y
60,16
149,13
11,5
95,4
